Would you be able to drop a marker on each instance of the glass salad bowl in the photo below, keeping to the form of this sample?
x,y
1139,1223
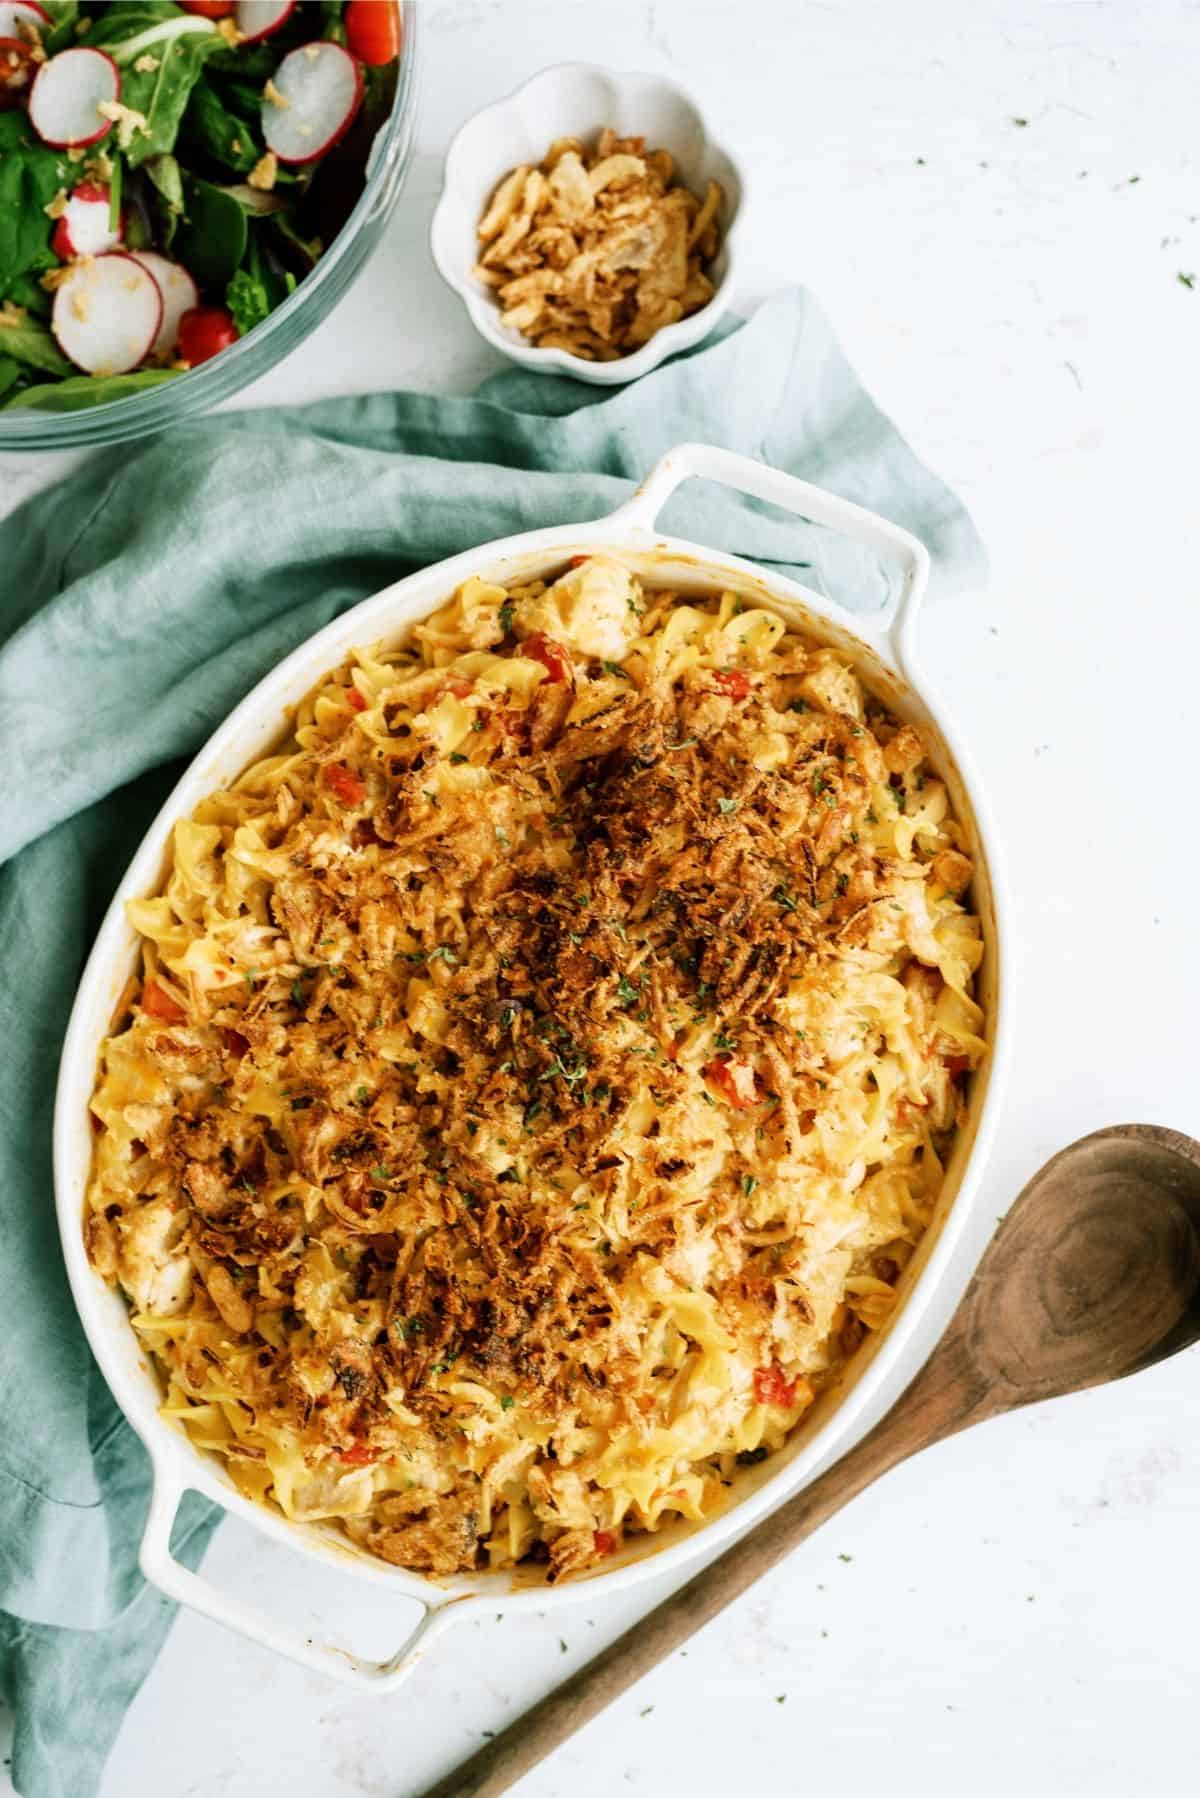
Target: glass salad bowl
x,y
199,389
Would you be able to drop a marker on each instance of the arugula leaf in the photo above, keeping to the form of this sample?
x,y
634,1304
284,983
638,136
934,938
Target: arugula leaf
x,y
210,129
176,44
247,301
10,374
32,344
82,391
30,176
211,237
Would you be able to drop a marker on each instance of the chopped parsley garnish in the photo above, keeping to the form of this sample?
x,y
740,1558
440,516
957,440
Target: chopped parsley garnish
x,y
627,992
456,757
727,805
614,668
798,705
749,1182
380,1173
507,613
507,1402
781,896
724,1042
297,993
444,953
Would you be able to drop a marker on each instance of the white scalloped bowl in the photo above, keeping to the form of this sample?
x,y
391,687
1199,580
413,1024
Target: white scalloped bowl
x,y
577,100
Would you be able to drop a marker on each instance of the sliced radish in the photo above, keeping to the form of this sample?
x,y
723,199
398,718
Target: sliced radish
x,y
64,105
319,88
17,70
179,294
257,19
107,314
83,228
15,13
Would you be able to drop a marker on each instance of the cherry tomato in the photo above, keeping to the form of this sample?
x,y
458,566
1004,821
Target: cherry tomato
x,y
373,31
204,331
158,1003
732,681
553,656
605,1542
772,1387
208,9
734,1080
345,784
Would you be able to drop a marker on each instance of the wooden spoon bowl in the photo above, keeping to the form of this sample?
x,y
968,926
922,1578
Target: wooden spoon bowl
x,y
1094,1274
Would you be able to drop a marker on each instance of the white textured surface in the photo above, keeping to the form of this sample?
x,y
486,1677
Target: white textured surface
x,y
1018,1608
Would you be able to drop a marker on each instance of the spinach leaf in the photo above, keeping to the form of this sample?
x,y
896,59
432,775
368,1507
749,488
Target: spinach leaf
x,y
331,21
210,129
300,254
253,62
82,391
10,374
175,44
32,344
211,237
244,98
62,25
27,291
164,194
30,176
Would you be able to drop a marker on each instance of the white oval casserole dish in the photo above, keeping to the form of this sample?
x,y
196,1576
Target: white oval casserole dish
x,y
882,650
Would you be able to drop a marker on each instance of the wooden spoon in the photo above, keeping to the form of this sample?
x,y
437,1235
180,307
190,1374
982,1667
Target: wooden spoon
x,y
1094,1274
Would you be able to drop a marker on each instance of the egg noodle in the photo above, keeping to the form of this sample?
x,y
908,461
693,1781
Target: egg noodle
x,y
539,1072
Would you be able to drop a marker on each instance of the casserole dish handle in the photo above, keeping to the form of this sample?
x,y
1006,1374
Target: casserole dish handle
x,y
164,1571
819,506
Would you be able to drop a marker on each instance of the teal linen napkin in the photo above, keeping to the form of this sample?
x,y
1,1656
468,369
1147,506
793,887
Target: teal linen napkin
x,y
140,600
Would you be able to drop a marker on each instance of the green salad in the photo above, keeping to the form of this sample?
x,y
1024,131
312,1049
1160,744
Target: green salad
x,y
168,174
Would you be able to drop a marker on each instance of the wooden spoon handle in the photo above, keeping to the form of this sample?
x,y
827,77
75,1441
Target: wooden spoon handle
x,y
500,1763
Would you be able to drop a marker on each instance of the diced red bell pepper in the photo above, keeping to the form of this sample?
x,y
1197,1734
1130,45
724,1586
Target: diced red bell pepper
x,y
553,656
734,1080
344,783
355,700
772,1387
733,682
359,1454
605,1542
158,1003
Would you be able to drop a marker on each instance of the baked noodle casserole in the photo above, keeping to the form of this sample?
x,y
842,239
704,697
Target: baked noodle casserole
x,y
539,1072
